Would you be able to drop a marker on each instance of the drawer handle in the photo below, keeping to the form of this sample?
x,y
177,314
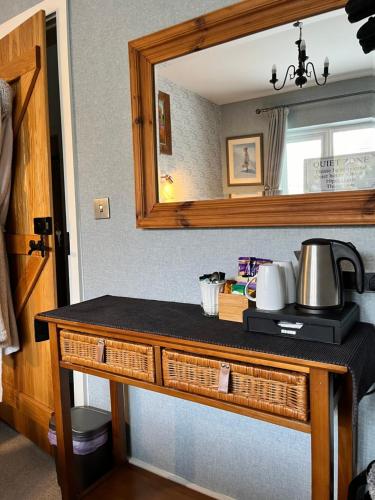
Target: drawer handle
x,y
100,351
287,324
224,378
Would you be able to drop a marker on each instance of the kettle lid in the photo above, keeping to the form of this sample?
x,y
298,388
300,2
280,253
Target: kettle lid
x,y
317,241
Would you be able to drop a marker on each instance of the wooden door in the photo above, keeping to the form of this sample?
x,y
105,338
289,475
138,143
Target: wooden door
x,y
28,396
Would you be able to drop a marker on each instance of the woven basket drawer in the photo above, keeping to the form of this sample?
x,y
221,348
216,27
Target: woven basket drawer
x,y
123,358
277,391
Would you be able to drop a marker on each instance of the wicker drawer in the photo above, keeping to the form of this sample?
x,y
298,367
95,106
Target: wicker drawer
x,y
270,389
123,358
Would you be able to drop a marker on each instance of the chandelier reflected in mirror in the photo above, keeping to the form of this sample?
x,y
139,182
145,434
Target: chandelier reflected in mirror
x,y
305,70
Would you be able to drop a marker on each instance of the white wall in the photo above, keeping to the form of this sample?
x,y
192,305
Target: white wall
x,y
195,162
231,454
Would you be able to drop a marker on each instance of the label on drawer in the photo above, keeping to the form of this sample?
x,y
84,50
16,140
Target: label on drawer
x,y
224,377
100,351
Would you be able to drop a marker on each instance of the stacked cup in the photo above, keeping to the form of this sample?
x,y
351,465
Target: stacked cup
x,y
211,286
275,287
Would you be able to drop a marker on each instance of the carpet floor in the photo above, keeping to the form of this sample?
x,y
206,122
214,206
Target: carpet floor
x,y
26,472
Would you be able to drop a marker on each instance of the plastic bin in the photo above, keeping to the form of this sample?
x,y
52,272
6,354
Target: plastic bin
x,y
92,443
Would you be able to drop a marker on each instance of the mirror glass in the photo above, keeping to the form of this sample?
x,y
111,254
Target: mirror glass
x,y
212,143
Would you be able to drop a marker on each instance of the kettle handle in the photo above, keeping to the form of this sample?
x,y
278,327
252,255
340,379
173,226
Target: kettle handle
x,y
347,251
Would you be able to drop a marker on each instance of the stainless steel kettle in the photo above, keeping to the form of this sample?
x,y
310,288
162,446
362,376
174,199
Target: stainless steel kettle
x,y
319,282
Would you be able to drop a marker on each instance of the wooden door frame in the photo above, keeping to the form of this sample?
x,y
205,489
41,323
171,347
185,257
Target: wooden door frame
x,y
60,8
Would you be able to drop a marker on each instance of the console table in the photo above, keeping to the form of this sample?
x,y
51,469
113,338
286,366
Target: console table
x,y
172,349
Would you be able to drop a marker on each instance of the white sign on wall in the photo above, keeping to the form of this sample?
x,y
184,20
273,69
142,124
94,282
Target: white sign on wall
x,y
340,173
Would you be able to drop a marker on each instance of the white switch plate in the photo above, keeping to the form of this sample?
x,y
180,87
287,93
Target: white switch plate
x,y
101,207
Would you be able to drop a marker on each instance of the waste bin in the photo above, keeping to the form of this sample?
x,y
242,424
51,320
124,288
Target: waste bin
x,y
92,443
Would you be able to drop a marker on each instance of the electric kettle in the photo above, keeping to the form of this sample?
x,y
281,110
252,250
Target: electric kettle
x,y
319,282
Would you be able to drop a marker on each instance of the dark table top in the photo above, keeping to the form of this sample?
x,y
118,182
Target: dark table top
x,y
186,321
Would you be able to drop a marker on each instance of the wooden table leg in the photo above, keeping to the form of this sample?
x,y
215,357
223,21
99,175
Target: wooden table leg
x,y
118,422
61,391
346,439
321,434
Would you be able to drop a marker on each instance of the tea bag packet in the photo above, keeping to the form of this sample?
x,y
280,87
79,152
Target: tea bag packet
x,y
243,266
228,286
248,266
238,288
247,271
255,262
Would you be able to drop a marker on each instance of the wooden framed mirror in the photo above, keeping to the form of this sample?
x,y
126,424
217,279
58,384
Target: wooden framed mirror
x,y
244,203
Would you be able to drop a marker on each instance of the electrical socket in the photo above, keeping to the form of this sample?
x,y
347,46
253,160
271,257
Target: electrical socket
x,y
349,281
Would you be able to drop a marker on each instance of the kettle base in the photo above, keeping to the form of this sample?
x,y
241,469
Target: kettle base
x,y
322,310
328,326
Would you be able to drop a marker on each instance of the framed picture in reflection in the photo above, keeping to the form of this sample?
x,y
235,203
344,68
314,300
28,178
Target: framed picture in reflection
x,y
246,195
164,119
245,160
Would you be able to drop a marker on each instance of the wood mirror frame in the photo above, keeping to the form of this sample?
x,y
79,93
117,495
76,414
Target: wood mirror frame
x,y
229,23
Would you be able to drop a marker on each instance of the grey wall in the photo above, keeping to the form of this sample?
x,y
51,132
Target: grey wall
x,y
195,162
240,118
231,454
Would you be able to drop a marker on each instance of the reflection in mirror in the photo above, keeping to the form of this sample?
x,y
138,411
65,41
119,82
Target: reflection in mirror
x,y
225,132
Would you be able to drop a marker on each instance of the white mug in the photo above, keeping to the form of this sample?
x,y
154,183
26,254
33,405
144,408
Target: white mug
x,y
270,290
289,278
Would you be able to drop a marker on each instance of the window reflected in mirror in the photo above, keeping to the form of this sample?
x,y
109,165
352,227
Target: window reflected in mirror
x,y
225,132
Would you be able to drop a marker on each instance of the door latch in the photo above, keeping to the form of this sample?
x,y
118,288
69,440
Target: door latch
x,y
42,227
37,246
63,241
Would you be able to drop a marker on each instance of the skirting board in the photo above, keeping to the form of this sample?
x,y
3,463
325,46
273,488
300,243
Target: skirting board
x,y
177,479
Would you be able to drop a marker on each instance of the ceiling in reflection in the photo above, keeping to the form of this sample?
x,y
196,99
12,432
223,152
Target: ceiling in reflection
x,y
241,69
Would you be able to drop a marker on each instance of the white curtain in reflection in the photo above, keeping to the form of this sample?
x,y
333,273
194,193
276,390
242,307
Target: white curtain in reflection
x,y
278,125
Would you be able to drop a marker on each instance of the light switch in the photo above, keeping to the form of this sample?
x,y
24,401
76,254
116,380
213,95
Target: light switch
x,y
101,206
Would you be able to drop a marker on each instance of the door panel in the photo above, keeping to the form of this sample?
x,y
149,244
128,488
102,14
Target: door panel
x,y
28,397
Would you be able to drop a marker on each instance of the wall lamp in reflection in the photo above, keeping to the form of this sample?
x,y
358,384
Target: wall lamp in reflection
x,y
167,178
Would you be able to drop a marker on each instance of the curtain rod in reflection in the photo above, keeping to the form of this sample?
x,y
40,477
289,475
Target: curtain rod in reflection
x,y
312,101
